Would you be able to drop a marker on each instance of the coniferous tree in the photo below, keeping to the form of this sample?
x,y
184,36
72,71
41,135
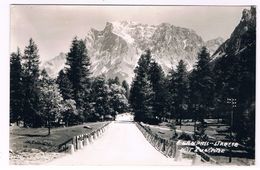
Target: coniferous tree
x,y
126,87
180,85
237,81
171,93
113,81
141,90
117,82
221,92
202,84
194,99
16,89
64,85
78,71
244,118
31,114
157,79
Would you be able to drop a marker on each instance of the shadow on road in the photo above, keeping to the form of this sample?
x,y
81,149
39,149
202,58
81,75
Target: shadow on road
x,y
124,121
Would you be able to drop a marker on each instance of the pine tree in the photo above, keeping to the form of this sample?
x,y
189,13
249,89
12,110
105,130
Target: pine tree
x,y
221,93
141,90
202,83
117,82
31,115
157,79
78,71
181,83
126,87
16,89
171,93
244,118
64,85
235,78
194,96
113,81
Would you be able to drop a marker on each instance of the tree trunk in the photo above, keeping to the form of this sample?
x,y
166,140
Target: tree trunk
x,y
49,128
49,125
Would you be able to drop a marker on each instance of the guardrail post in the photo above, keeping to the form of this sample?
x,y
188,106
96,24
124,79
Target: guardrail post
x,y
71,149
163,146
80,144
91,139
178,154
196,160
85,140
95,135
76,142
158,144
168,150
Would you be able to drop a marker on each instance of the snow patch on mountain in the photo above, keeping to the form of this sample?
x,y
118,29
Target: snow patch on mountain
x,y
115,50
54,65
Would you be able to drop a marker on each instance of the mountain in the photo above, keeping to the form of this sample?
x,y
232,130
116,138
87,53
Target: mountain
x,y
242,37
115,50
214,44
54,65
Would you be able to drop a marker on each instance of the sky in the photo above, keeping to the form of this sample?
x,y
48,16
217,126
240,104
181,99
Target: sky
x,y
53,27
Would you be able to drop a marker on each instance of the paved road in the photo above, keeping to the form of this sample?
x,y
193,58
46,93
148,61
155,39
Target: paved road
x,y
121,144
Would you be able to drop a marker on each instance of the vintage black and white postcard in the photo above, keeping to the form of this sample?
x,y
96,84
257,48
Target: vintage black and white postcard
x,y
145,84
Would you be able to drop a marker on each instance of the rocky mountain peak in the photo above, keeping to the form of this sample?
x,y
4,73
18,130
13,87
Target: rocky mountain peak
x,y
248,14
108,28
115,50
242,36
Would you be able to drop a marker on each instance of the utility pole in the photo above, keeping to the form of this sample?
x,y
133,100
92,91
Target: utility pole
x,y
233,103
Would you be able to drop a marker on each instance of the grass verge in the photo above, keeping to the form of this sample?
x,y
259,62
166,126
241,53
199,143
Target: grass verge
x,y
165,132
34,146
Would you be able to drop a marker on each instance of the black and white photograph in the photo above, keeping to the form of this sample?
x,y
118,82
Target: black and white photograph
x,y
162,85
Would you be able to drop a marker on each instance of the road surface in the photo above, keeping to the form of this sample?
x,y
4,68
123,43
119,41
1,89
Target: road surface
x,y
121,144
